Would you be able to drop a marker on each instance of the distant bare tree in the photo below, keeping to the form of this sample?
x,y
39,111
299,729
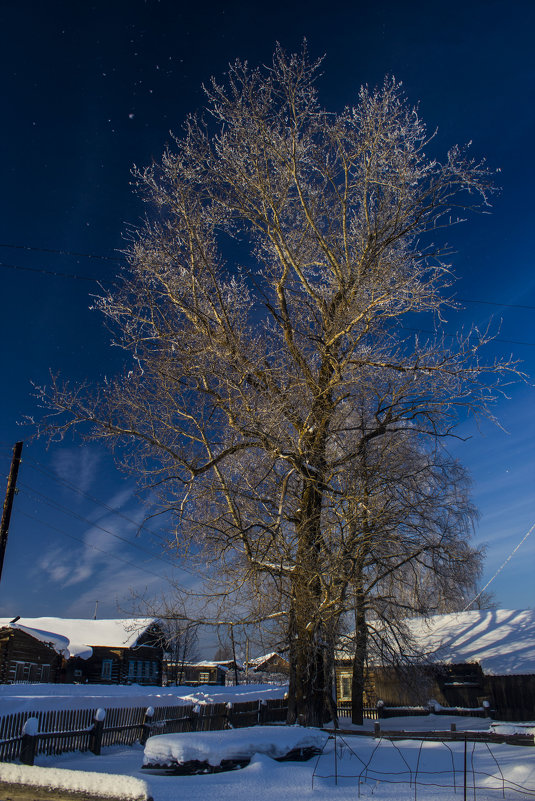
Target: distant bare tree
x,y
180,647
261,319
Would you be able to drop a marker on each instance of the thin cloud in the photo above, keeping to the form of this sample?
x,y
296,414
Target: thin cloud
x,y
78,466
103,545
113,591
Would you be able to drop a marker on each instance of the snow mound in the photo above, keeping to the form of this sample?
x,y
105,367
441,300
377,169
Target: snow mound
x,y
166,750
93,784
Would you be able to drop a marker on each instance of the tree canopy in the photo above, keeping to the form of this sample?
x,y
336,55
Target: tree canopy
x,y
274,394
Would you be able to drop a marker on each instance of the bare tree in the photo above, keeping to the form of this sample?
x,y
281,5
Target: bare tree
x,y
407,520
261,309
180,647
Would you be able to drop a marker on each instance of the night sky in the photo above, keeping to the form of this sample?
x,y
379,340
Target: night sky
x,y
88,89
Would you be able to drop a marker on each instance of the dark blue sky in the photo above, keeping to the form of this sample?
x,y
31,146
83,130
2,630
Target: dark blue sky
x,y
90,88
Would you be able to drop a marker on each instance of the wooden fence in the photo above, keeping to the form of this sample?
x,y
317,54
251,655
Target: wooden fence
x,y
343,709
24,735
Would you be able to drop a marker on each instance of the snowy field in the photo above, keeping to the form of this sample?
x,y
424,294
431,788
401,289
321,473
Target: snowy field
x,y
42,697
363,765
373,768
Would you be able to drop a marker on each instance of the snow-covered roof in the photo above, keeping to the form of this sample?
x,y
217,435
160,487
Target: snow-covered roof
x,y
74,637
261,660
258,660
224,664
502,641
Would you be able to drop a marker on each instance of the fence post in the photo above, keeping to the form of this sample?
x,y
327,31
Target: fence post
x,y
29,741
95,740
376,729
147,725
194,718
464,796
380,705
229,724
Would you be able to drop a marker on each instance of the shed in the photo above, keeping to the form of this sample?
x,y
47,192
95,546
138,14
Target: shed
x,y
207,672
272,663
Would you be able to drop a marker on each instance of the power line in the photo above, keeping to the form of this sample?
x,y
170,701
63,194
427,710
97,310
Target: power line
x,y
64,253
57,274
524,538
494,303
42,469
59,507
53,273
95,547
122,261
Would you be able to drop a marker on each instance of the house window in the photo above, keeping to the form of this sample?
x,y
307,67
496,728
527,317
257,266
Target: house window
x,y
204,678
345,687
31,672
131,670
106,669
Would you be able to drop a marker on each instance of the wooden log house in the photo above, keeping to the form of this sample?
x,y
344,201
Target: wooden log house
x,y
23,658
81,651
459,660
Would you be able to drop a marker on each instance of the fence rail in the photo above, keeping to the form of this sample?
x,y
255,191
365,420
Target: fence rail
x,y
379,712
343,710
25,735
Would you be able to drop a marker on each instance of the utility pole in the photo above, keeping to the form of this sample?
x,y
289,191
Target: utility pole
x,y
8,503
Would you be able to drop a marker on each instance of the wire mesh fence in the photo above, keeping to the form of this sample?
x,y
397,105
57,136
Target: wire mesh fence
x,y
419,768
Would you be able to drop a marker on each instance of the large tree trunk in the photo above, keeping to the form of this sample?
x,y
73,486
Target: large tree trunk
x,y
308,678
359,658
306,695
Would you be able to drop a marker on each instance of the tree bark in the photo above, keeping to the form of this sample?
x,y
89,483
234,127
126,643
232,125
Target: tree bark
x,y
308,679
359,658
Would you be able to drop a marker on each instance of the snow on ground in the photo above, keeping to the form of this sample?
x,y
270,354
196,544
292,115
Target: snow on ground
x,y
43,697
266,780
243,692
215,746
80,781
377,768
